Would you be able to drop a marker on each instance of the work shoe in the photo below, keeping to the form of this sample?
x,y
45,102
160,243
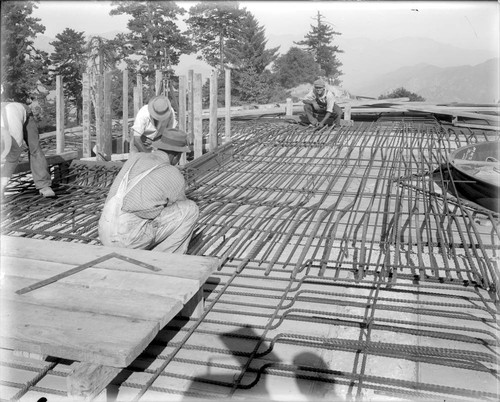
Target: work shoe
x,y
47,192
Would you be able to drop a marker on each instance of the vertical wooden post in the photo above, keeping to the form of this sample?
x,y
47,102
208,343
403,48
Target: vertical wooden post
x,y
107,123
197,121
212,128
99,116
227,103
182,110
59,115
289,107
347,112
87,144
190,102
125,133
158,82
139,90
137,105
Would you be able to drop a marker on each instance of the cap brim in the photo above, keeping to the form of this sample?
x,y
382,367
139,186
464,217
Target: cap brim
x,y
160,145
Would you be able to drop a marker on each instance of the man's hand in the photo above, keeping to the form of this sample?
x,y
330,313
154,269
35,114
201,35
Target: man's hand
x,y
314,121
320,124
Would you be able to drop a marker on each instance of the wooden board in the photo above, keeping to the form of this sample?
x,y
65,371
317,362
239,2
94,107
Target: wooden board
x,y
107,313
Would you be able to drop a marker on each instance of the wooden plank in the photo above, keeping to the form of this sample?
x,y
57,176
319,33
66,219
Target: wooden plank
x,y
164,285
227,104
86,103
59,115
107,121
125,131
182,112
87,380
127,303
73,254
212,125
51,160
102,339
197,122
158,82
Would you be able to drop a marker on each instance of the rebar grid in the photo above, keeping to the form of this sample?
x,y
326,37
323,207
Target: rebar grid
x,y
348,272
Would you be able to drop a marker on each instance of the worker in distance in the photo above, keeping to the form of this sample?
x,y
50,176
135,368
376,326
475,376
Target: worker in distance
x,y
320,107
146,207
18,130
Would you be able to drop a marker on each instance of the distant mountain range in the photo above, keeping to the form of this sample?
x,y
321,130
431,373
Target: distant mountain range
x,y
436,71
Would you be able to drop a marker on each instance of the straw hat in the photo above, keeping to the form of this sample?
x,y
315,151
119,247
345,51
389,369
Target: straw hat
x,y
172,140
159,108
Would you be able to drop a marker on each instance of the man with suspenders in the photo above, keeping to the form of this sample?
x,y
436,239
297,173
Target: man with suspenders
x,y
320,106
146,207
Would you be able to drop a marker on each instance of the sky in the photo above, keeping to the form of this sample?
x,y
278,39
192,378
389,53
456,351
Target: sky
x,y
468,24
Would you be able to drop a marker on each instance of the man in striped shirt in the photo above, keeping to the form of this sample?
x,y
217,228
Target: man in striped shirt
x,y
146,207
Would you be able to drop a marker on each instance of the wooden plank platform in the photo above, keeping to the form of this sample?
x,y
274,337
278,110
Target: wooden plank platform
x,y
105,314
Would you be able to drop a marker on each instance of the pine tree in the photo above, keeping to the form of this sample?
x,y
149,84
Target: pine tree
x,y
154,36
24,68
68,61
319,42
249,49
211,25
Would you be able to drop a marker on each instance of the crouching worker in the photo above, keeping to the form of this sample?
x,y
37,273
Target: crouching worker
x,y
146,207
320,106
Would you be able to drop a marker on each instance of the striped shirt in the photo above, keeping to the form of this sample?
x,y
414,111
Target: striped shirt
x,y
161,187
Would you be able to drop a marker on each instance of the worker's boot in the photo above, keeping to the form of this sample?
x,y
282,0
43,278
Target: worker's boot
x,y
47,192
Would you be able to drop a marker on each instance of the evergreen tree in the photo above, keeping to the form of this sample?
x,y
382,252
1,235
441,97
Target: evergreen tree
x,y
249,49
211,25
319,42
23,67
154,36
68,61
296,67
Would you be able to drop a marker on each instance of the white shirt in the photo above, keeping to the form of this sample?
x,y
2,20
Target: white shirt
x,y
143,123
15,113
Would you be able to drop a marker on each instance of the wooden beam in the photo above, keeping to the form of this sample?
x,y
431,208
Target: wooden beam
x,y
212,131
59,115
107,123
227,104
99,114
190,127
125,131
51,160
140,91
182,111
87,380
197,121
289,107
158,82
86,103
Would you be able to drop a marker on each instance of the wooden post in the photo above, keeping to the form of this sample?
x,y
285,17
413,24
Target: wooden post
x,y
190,102
197,121
227,103
289,107
87,143
212,130
158,82
99,115
139,90
59,115
182,110
125,133
137,105
107,123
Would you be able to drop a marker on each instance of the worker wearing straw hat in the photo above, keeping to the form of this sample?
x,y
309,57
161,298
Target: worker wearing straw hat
x,y
150,122
146,207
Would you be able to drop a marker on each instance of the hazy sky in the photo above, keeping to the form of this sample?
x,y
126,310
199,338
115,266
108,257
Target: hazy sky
x,y
467,24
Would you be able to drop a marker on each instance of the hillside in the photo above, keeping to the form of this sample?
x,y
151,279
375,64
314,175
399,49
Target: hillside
x,y
466,83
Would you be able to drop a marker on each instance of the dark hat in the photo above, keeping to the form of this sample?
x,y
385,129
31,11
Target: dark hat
x,y
172,140
319,84
159,108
